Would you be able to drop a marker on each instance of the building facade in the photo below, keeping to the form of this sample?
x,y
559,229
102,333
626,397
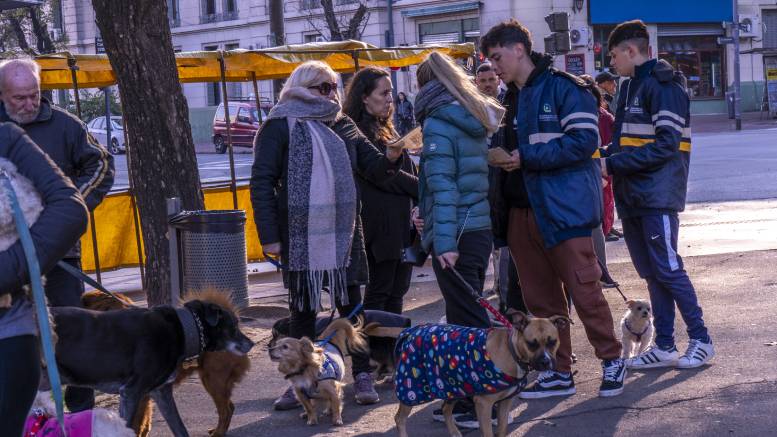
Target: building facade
x,y
684,33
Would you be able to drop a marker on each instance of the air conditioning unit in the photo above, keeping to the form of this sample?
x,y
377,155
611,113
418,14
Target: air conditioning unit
x,y
579,37
749,26
55,34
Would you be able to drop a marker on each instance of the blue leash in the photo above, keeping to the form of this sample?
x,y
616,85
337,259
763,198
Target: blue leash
x,y
326,339
39,300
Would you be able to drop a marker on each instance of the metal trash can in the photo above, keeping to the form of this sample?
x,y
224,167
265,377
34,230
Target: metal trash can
x,y
213,252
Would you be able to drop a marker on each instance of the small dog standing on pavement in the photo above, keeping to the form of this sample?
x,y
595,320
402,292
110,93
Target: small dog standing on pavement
x,y
316,370
490,365
637,328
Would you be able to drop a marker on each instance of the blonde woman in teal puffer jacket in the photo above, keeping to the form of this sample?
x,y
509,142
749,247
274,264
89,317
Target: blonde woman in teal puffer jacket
x,y
453,182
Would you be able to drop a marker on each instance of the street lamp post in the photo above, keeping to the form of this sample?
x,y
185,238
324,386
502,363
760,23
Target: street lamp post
x,y
737,90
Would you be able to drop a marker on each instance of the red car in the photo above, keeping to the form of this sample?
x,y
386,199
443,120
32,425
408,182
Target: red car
x,y
245,122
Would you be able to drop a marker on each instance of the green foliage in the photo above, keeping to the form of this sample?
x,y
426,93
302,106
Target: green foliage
x,y
93,105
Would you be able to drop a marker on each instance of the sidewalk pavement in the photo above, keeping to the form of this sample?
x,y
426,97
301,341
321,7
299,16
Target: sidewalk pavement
x,y
730,262
721,123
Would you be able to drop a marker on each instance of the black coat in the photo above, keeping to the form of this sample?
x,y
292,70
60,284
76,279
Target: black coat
x,y
269,194
386,210
62,221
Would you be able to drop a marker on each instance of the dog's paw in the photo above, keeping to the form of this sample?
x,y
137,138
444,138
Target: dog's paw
x,y
312,422
337,421
215,433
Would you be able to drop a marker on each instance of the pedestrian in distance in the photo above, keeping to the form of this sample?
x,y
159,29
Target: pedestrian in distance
x,y
405,117
553,195
649,160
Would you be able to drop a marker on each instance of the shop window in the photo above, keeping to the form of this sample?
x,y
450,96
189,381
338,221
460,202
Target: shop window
x,y
601,49
700,58
453,31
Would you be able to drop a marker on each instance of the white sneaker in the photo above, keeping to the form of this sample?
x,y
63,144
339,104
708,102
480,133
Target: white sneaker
x,y
654,357
697,355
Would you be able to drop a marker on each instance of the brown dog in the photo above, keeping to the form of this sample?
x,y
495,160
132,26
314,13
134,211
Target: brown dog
x,y
219,371
532,342
317,370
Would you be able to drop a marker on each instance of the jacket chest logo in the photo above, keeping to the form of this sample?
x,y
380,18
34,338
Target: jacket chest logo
x,y
546,108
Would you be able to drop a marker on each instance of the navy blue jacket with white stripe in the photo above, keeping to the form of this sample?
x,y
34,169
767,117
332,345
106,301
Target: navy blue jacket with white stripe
x,y
557,136
651,148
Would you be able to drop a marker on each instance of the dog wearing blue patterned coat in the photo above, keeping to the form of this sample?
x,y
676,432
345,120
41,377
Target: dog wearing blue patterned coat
x,y
490,365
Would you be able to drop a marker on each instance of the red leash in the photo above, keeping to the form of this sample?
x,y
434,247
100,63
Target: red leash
x,y
482,301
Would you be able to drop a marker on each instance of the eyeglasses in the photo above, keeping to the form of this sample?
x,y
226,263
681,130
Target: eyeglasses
x,y
325,88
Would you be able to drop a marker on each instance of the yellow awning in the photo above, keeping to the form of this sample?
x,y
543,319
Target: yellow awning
x,y
94,71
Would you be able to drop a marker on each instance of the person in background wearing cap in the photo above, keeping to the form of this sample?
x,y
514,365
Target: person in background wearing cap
x,y
608,83
649,159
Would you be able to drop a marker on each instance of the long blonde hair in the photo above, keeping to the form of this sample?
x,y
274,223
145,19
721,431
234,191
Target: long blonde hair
x,y
443,68
307,74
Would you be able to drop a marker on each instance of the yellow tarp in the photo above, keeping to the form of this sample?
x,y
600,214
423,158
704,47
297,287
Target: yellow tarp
x,y
94,71
115,227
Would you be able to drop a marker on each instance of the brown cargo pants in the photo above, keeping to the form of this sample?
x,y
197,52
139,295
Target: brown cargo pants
x,y
545,272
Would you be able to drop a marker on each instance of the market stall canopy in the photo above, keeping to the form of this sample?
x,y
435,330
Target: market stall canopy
x,y
94,71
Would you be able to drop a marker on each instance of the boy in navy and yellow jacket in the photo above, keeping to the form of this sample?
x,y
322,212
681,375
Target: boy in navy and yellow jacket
x,y
649,159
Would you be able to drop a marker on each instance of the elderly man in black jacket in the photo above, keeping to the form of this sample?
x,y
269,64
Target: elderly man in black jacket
x,y
58,227
89,166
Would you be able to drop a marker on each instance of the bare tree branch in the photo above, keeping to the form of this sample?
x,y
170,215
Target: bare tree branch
x,y
21,38
331,20
41,31
356,22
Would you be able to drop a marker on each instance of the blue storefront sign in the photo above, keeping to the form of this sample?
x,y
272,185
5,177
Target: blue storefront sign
x,y
660,11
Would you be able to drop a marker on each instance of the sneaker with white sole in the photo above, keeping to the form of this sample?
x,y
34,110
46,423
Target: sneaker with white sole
x,y
470,420
654,357
613,376
462,407
549,383
697,355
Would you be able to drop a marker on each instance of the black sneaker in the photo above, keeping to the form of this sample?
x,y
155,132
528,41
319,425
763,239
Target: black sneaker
x,y
550,383
469,420
613,375
464,406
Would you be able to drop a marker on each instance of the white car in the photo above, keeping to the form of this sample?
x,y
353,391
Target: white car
x,y
98,129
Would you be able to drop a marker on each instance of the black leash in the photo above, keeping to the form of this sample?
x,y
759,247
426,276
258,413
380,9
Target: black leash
x,y
608,278
84,277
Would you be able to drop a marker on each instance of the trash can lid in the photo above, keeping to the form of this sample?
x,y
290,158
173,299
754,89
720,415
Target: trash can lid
x,y
216,221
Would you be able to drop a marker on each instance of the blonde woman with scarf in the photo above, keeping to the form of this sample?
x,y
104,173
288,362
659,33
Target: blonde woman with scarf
x,y
453,182
306,203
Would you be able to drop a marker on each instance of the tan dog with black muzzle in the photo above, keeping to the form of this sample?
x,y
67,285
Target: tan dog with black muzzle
x,y
503,357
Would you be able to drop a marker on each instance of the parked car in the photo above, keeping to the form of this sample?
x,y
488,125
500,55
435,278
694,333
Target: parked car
x,y
98,129
245,122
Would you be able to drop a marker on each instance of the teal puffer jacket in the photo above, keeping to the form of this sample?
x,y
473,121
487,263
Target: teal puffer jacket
x,y
453,181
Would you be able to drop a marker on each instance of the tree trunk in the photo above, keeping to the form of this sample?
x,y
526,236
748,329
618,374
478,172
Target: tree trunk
x,y
21,38
331,21
278,32
136,35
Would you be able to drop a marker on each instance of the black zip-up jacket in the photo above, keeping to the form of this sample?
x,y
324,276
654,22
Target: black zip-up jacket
x,y
62,221
651,149
66,140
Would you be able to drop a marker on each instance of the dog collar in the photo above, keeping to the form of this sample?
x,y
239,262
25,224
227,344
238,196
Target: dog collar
x,y
193,333
636,334
522,364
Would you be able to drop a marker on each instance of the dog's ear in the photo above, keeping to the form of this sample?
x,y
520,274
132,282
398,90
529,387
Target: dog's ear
x,y
560,322
630,303
212,314
519,318
306,345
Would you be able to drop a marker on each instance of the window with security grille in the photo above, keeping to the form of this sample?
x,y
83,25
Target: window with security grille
x,y
452,31
770,28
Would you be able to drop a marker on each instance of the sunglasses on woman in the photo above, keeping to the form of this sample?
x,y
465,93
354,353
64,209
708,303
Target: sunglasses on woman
x,y
325,88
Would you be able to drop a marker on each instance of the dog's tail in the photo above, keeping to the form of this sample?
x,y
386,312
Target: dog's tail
x,y
347,336
375,329
98,301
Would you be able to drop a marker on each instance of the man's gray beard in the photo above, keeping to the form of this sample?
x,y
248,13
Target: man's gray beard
x,y
18,119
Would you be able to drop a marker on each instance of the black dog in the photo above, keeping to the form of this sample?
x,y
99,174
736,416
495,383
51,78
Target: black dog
x,y
381,347
135,352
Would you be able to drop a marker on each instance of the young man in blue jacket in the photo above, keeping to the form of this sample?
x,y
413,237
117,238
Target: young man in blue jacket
x,y
553,201
649,159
